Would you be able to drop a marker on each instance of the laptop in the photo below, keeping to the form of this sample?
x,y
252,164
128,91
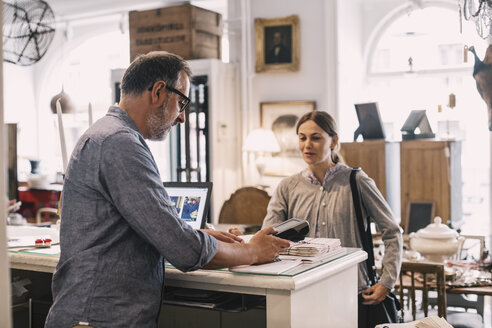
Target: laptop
x,y
192,201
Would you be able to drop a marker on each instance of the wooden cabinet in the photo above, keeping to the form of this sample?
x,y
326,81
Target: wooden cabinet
x,y
431,171
416,170
380,160
370,156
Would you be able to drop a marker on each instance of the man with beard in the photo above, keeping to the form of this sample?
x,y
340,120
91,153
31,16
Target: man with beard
x,y
118,222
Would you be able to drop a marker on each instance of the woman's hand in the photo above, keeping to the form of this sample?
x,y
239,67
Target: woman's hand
x,y
13,206
223,236
374,294
235,231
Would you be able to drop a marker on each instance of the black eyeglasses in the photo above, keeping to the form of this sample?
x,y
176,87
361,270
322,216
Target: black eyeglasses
x,y
183,102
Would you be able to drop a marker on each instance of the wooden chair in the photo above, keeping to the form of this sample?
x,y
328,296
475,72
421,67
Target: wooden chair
x,y
425,277
473,247
52,213
246,205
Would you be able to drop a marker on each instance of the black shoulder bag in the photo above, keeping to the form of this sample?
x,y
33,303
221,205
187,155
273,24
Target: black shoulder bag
x,y
388,310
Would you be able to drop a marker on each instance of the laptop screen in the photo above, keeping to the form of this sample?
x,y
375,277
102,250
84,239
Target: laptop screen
x,y
192,201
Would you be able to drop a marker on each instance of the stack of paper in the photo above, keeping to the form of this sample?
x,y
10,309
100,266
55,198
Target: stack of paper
x,y
313,250
312,247
320,257
309,250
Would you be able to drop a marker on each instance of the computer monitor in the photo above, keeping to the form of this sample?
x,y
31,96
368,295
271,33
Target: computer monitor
x,y
370,124
420,215
416,119
192,201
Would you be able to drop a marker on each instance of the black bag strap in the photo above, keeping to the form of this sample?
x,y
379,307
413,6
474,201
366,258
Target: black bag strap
x,y
365,234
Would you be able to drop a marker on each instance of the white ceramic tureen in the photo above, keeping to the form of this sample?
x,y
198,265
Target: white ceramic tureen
x,y
436,242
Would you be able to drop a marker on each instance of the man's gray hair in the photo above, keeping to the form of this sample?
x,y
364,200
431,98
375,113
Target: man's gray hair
x,y
147,69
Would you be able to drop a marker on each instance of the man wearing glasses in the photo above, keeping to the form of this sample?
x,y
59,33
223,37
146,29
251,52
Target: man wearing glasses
x,y
118,221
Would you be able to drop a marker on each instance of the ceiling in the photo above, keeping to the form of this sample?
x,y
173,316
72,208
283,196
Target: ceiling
x,y
76,9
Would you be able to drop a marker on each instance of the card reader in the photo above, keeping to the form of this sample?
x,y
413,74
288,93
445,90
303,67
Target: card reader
x,y
292,229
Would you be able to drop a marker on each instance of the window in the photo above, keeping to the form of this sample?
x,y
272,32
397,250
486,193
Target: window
x,y
85,75
416,64
192,137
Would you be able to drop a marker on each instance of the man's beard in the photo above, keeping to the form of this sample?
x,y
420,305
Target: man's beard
x,y
159,123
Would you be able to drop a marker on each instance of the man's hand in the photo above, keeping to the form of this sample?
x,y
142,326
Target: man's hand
x,y
374,294
265,246
223,236
262,248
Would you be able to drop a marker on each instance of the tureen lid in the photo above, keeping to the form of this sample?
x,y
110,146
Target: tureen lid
x,y
437,230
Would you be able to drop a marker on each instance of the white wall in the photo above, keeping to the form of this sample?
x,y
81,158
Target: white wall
x,y
350,65
29,89
20,107
309,83
374,13
50,76
316,79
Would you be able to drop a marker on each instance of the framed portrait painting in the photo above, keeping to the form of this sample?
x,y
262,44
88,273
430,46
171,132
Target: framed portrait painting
x,y
281,118
277,44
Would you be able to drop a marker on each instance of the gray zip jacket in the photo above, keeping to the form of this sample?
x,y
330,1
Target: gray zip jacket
x,y
330,211
117,223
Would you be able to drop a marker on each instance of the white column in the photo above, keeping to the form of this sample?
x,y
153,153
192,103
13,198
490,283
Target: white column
x,y
489,40
5,312
331,61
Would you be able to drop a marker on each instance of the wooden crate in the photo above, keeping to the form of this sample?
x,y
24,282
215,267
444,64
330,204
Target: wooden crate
x,y
185,30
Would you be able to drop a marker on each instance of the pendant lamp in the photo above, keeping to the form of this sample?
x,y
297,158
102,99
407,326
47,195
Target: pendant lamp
x,y
65,102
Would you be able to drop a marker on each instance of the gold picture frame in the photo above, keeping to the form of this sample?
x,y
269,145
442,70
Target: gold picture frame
x,y
277,44
281,118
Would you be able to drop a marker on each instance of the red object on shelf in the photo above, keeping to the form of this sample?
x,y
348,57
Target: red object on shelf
x,y
34,199
27,195
43,243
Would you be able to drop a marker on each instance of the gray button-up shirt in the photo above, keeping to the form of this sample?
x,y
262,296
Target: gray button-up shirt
x,y
330,211
117,224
